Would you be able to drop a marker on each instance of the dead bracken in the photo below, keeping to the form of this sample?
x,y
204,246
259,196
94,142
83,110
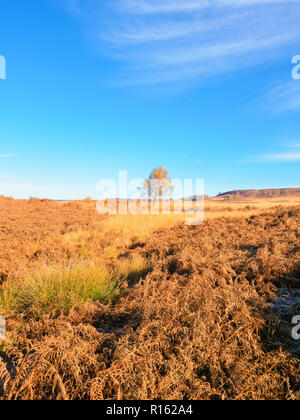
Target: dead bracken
x,y
190,316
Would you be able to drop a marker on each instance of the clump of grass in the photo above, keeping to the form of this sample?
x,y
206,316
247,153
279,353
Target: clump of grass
x,y
134,268
56,288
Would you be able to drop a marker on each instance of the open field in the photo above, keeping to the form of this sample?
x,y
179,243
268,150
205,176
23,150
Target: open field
x,y
145,307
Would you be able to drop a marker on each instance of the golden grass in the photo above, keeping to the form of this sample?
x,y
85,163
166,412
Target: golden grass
x,y
144,307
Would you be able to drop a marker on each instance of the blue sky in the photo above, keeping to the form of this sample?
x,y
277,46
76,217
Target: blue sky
x,y
202,87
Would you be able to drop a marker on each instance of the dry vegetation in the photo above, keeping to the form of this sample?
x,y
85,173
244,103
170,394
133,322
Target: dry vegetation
x,y
144,307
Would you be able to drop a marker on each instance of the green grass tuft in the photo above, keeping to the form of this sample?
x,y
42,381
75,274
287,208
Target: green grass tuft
x,y
55,289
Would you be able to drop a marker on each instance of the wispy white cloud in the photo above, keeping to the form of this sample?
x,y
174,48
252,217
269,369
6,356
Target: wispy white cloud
x,y
285,97
281,157
6,155
160,41
187,6
290,154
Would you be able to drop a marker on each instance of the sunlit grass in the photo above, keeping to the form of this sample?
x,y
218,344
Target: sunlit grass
x,y
100,265
55,289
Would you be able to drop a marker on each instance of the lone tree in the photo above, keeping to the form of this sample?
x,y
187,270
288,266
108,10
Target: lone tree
x,y
159,184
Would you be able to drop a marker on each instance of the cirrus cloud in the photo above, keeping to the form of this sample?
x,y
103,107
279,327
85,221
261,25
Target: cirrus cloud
x,y
285,97
291,153
162,41
187,6
6,155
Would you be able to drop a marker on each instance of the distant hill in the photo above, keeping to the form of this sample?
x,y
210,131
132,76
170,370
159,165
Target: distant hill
x,y
266,193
